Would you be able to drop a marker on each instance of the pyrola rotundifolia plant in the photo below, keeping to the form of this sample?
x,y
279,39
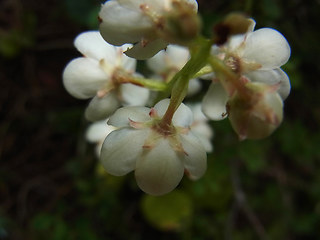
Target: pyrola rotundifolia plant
x,y
140,123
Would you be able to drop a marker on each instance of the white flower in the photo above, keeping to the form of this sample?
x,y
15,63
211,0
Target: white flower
x,y
168,62
200,127
158,156
256,56
140,22
100,74
97,132
258,115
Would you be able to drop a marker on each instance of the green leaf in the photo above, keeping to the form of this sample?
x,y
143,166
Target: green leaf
x,y
42,221
169,212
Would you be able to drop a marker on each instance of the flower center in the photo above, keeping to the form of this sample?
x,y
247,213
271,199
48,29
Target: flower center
x,y
234,63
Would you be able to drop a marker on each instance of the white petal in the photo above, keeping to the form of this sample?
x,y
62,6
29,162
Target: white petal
x,y
83,77
183,117
142,51
205,142
194,87
117,58
200,126
126,62
162,106
122,117
157,63
214,102
159,170
267,47
195,160
92,45
202,129
174,57
135,5
133,95
119,153
233,45
122,25
101,108
197,112
272,77
98,131
193,3
177,56
205,133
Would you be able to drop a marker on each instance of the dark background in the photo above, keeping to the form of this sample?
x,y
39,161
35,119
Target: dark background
x,y
51,186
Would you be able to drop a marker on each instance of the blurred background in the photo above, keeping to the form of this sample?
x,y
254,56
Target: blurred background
x,y
52,187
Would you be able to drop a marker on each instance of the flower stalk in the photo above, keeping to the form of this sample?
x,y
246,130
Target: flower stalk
x,y
149,83
200,51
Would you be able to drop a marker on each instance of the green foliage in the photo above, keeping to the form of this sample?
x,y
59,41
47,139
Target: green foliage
x,y
169,212
84,12
12,41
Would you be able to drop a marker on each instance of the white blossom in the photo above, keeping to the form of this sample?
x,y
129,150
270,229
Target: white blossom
x,y
100,74
140,22
97,132
168,62
200,127
158,156
257,56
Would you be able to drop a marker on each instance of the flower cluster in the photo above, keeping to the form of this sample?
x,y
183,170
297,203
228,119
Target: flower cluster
x,y
136,126
253,97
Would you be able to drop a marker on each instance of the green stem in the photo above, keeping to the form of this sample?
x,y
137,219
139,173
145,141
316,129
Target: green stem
x,y
149,83
203,71
200,51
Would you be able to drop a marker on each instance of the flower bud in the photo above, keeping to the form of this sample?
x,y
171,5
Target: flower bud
x,y
232,24
256,112
181,23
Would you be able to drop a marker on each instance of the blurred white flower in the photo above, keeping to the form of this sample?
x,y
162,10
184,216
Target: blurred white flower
x,y
143,23
257,57
200,127
101,74
158,156
168,62
97,132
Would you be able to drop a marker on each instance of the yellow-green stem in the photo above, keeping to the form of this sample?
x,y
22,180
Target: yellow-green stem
x,y
149,83
200,51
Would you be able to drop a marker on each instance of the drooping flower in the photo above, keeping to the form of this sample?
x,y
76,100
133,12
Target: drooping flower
x,y
256,111
168,62
97,132
256,57
159,156
148,24
102,74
